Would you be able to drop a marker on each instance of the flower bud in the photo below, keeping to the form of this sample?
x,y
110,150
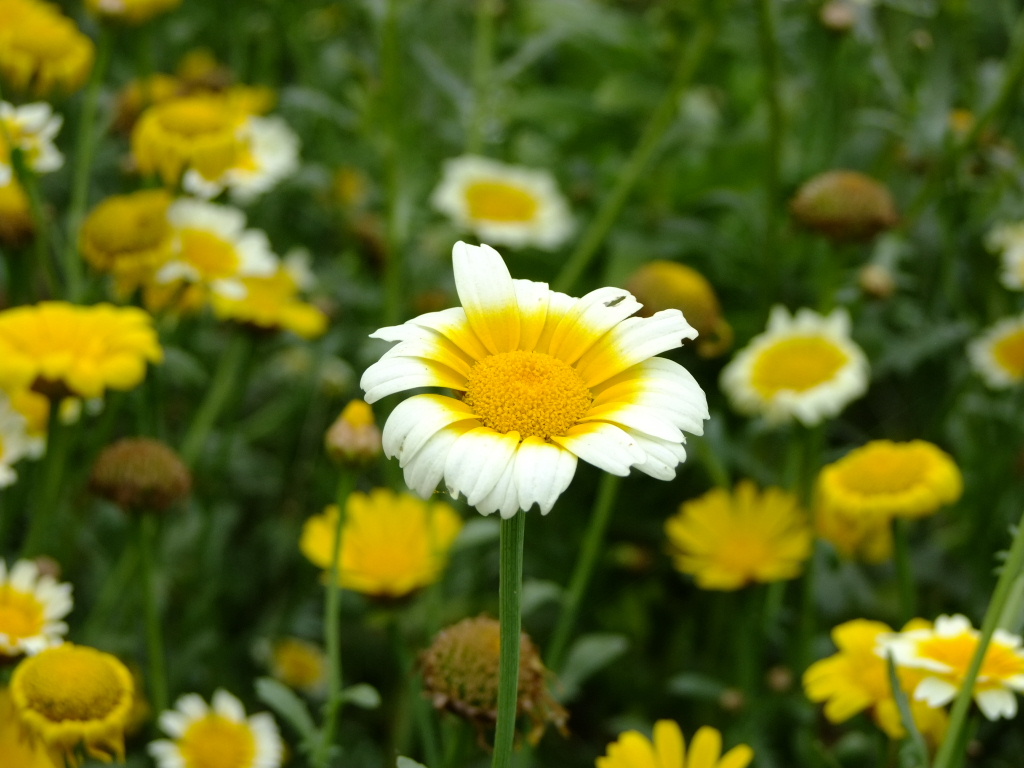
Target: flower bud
x,y
354,437
16,226
844,206
877,281
837,16
139,474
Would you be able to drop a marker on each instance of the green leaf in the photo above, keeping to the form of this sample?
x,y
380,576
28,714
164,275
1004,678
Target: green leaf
x,y
537,592
913,750
692,685
588,655
362,695
289,707
405,762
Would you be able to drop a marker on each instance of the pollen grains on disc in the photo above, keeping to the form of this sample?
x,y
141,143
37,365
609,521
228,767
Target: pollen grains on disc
x,y
531,393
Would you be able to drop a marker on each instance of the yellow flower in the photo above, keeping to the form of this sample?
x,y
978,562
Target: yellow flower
x,y
888,479
299,664
72,695
217,736
16,224
547,379
729,540
354,437
200,132
32,606
131,11
861,537
391,544
130,237
943,653
42,51
662,285
668,750
272,302
83,350
803,366
856,679
18,751
998,354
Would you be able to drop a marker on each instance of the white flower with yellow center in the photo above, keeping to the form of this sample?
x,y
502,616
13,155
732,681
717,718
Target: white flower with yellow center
x,y
803,366
15,441
543,379
217,736
503,204
31,608
945,651
269,154
30,128
1008,241
215,249
998,354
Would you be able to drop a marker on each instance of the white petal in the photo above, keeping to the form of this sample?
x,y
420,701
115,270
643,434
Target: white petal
x,y
604,445
532,299
632,341
487,294
415,420
996,703
636,418
503,498
935,692
663,456
395,374
228,706
477,461
541,473
590,318
425,468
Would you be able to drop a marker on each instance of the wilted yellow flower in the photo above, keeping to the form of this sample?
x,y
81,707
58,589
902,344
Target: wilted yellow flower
x,y
42,51
70,696
131,11
391,544
299,664
729,540
889,479
668,750
662,285
62,348
844,205
129,236
18,751
16,225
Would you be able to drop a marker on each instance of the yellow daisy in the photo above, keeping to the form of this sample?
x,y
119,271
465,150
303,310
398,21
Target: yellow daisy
x,y
216,735
889,479
299,664
503,204
30,128
42,51
668,750
944,652
543,380
803,367
391,544
17,750
62,348
70,696
32,606
998,354
129,236
729,540
856,679
131,11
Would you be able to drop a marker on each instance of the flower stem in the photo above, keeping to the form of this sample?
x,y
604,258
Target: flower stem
x,y
483,63
41,237
904,572
85,144
597,525
40,539
147,533
332,626
509,598
657,126
947,756
770,64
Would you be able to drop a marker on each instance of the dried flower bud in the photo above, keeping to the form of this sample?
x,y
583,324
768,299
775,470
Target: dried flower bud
x,y
837,16
877,281
354,437
16,226
844,206
662,285
460,674
140,475
732,700
780,679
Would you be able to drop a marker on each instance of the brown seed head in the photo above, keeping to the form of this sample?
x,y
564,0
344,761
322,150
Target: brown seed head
x,y
844,206
140,475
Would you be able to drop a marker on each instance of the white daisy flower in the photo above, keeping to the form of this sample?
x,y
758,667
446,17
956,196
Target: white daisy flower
x,y
15,441
220,736
1008,241
803,366
271,154
31,608
503,204
31,128
998,354
944,652
543,379
214,248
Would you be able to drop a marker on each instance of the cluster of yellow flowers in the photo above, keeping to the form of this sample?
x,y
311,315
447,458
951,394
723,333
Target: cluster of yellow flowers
x,y
41,50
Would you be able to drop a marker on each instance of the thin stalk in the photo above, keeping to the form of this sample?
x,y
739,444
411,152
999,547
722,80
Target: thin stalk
x,y
510,591
43,524
332,626
770,65
147,535
483,65
650,140
85,144
221,389
41,237
904,572
593,539
116,585
948,754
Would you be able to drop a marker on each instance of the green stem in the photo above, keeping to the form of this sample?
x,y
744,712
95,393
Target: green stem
x,y
41,238
770,63
483,64
509,599
657,126
904,572
948,754
147,535
42,529
117,583
85,144
593,539
221,389
332,626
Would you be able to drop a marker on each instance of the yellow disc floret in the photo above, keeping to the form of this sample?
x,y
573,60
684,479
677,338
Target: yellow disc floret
x,y
531,393
500,201
1008,352
797,364
217,742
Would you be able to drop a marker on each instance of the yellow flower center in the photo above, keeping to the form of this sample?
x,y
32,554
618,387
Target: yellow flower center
x,y
72,683
956,652
298,664
500,201
214,257
745,554
1009,354
531,393
21,614
46,38
797,364
195,117
216,742
131,224
884,469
